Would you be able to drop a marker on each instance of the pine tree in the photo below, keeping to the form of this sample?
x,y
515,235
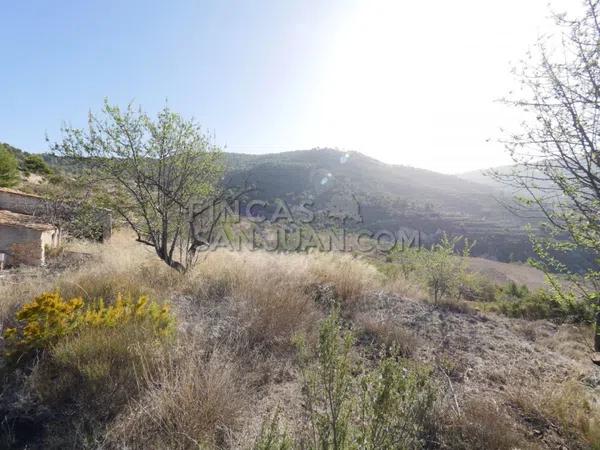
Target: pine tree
x,y
9,172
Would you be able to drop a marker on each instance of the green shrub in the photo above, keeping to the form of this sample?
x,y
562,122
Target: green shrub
x,y
56,178
351,406
328,387
517,291
543,305
474,287
441,269
406,260
272,437
9,172
89,357
35,164
397,407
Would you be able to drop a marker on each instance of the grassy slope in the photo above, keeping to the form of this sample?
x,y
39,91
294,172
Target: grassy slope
x,y
505,382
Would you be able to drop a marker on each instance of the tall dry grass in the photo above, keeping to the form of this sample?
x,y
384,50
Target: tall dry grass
x,y
568,405
352,277
387,334
119,266
86,379
270,298
194,400
482,424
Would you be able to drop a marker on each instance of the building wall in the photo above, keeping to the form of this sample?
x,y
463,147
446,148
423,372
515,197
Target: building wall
x,y
26,245
22,204
37,206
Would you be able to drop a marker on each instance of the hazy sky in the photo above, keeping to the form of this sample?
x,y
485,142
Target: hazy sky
x,y
407,82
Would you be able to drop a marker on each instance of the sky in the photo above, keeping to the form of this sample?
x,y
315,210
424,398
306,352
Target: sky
x,y
404,81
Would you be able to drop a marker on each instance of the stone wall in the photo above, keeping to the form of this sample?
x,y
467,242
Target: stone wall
x,y
34,205
26,245
22,203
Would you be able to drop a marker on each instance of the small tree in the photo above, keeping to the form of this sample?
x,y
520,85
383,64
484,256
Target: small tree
x,y
557,170
9,172
442,269
152,173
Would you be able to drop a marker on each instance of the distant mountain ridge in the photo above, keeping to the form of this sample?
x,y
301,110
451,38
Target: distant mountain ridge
x,y
391,197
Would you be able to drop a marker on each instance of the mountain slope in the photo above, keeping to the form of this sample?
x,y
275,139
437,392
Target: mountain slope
x,y
391,197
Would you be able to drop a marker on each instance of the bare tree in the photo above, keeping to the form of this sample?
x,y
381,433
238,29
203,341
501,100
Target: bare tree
x,y
556,152
151,173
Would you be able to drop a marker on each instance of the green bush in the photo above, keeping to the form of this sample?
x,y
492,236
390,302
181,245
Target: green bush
x,y
272,437
513,290
35,164
475,287
441,269
9,172
351,406
406,260
328,387
397,407
542,305
77,364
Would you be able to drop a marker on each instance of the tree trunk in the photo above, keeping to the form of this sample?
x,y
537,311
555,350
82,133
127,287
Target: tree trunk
x,y
596,333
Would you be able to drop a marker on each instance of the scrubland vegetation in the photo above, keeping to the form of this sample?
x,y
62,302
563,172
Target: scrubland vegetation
x,y
158,344
280,351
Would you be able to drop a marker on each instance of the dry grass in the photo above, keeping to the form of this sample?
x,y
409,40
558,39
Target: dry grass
x,y
124,266
238,315
17,290
455,306
120,266
406,288
567,405
576,341
352,277
270,296
388,334
86,379
192,401
271,317
482,424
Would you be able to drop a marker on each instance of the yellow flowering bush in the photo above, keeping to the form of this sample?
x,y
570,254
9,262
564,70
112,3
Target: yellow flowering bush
x,y
125,310
49,317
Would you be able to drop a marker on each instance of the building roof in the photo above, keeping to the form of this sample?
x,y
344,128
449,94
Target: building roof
x,y
14,191
11,219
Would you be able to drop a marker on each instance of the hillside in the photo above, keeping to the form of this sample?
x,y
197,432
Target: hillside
x,y
391,197
225,362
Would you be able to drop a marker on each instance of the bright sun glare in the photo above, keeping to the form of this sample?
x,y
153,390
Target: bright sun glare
x,y
407,82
